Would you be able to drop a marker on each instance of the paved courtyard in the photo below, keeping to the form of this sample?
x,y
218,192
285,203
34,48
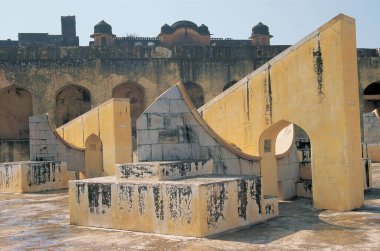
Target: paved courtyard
x,y
41,221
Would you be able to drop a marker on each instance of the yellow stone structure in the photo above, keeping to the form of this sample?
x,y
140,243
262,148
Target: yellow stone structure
x,y
313,84
33,176
188,181
105,134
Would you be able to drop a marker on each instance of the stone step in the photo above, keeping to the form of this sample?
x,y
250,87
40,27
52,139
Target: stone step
x,y
165,170
33,176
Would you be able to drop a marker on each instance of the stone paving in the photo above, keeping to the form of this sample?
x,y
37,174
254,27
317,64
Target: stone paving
x,y
41,221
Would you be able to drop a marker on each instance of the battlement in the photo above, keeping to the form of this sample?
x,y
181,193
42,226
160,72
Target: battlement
x,y
34,54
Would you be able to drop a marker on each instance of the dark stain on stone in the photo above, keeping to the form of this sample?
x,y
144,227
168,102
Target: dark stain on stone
x,y
79,190
307,185
318,69
367,172
142,193
136,170
94,191
242,199
255,191
268,209
216,199
186,135
106,195
38,174
181,168
169,136
158,202
93,196
268,97
247,97
8,174
180,198
126,193
196,165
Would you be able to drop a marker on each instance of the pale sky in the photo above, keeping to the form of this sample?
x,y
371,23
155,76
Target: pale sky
x,y
288,20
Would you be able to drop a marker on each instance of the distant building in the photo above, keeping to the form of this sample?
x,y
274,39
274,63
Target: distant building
x,y
67,38
184,33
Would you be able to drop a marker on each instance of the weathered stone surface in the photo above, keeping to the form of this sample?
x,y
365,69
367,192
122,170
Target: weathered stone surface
x,y
33,176
185,138
168,170
198,207
45,145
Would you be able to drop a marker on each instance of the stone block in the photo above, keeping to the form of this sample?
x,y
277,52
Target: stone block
x,y
305,189
196,151
178,106
188,119
35,119
155,121
173,93
211,152
142,122
174,121
144,152
32,176
176,152
198,207
159,106
157,151
168,136
187,134
233,166
227,154
287,189
166,170
147,137
288,171
204,138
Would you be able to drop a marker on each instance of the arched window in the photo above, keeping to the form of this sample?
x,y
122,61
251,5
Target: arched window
x,y
286,151
71,102
372,97
15,108
195,92
93,157
229,85
135,93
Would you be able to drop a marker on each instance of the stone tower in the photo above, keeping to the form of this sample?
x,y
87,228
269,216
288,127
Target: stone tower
x,y
69,34
260,35
103,34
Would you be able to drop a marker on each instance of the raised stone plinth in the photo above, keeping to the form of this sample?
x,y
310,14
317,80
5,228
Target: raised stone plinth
x,y
33,176
199,206
166,170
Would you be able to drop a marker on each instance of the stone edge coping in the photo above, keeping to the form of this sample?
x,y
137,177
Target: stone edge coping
x,y
29,162
161,163
197,180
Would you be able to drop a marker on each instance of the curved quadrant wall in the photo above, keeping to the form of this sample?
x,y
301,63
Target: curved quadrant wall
x,y
172,129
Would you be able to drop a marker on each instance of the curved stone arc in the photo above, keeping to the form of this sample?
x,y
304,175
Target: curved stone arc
x,y
230,147
53,128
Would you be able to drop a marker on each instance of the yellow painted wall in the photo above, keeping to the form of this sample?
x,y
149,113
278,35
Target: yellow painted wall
x,y
109,121
250,112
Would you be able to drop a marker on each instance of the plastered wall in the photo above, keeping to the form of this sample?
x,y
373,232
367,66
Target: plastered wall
x,y
111,123
313,84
